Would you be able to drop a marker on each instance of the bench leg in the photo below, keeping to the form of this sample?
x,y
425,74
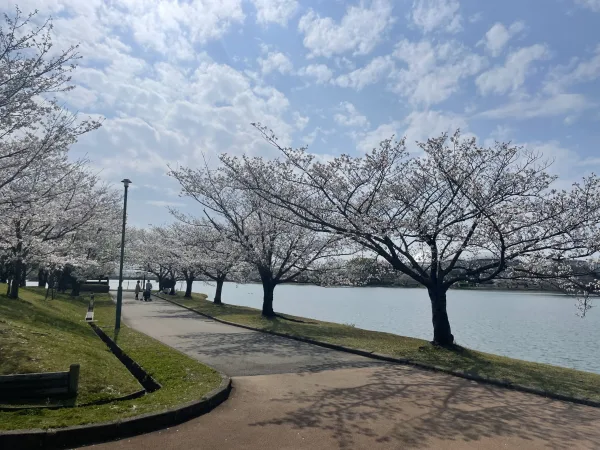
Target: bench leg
x,y
73,379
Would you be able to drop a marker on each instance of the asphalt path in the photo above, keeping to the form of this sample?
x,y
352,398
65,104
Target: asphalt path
x,y
290,395
231,350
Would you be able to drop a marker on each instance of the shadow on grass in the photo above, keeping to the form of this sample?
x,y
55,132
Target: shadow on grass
x,y
404,408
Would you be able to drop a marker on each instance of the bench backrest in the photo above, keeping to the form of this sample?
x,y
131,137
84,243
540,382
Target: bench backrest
x,y
40,384
95,287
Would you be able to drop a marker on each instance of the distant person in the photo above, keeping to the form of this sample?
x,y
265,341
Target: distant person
x,y
138,289
148,291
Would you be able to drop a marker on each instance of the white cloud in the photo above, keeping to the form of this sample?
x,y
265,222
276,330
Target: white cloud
x,y
593,5
433,71
159,24
433,15
350,117
498,36
300,121
171,115
275,11
320,72
418,126
359,31
511,76
171,192
310,138
371,139
344,63
373,72
578,71
422,125
474,18
565,162
539,107
164,203
146,67
275,61
501,133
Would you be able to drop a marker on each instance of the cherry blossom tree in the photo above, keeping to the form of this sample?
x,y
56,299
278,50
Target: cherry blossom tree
x,y
33,125
59,207
277,249
148,250
203,252
92,251
180,260
456,212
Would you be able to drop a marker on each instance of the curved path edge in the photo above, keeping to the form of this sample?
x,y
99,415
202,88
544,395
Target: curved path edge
x,y
79,435
403,361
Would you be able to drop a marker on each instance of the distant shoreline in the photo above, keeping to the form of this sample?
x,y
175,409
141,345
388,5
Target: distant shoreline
x,y
463,288
457,288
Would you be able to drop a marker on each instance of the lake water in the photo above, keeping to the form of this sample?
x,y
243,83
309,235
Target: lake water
x,y
525,325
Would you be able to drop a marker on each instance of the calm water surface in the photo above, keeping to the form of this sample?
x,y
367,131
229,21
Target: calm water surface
x,y
532,326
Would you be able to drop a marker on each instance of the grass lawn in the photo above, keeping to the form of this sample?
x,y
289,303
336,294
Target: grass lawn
x,y
47,335
540,376
38,335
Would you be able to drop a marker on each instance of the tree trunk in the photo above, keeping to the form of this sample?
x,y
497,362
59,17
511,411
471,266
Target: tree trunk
x,y
267,309
23,281
76,288
217,300
51,277
188,287
14,285
442,334
62,280
42,278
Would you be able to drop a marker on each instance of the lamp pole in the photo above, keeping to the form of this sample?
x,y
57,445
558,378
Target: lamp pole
x,y
126,182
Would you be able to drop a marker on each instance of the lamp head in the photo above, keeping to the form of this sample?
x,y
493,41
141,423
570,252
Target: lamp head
x,y
126,182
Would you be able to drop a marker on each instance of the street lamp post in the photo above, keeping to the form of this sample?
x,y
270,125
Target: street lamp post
x,y
126,182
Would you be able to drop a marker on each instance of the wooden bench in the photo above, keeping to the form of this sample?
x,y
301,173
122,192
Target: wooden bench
x,y
41,385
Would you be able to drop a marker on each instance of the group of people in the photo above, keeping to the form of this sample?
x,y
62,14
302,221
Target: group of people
x,y
147,291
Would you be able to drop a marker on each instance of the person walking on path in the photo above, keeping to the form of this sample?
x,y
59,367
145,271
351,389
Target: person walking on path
x,y
138,289
148,291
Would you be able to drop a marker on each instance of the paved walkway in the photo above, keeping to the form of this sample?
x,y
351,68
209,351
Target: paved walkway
x,y
356,405
232,350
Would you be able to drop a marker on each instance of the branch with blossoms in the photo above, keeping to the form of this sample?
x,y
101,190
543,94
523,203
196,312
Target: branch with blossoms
x,y
455,213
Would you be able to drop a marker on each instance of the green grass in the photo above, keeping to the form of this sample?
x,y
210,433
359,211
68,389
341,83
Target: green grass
x,y
38,334
540,376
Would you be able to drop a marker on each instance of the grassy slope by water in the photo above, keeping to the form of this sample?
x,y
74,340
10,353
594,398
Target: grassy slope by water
x,y
540,376
42,335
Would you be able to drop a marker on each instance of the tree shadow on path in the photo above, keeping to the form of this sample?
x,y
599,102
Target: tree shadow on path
x,y
399,407
259,353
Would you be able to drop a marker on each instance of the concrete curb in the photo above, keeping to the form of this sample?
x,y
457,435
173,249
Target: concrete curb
x,y
76,436
387,358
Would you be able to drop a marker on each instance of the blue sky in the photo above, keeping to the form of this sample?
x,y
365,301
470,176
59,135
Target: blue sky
x,y
180,81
